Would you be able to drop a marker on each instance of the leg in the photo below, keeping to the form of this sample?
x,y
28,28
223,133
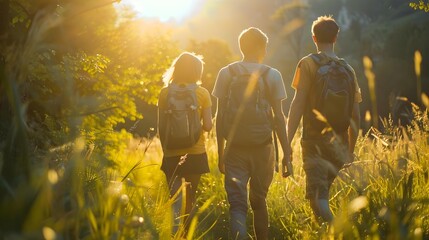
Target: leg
x,y
324,210
260,216
236,179
183,179
191,188
175,183
315,207
260,181
321,209
318,194
317,184
323,201
319,191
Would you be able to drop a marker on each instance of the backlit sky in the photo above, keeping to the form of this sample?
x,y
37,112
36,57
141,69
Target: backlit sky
x,y
164,10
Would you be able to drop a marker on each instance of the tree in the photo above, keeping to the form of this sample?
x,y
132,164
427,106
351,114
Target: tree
x,y
70,72
291,18
216,55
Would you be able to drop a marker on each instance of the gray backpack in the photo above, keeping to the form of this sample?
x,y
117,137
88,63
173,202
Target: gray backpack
x,y
180,123
332,95
247,117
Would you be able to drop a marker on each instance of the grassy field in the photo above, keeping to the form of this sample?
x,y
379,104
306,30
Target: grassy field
x,y
80,179
112,188
77,193
382,195
72,73
68,173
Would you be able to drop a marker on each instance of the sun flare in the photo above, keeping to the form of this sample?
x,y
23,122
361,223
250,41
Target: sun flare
x,y
164,10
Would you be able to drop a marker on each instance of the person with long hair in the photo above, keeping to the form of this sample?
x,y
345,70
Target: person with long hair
x,y
183,167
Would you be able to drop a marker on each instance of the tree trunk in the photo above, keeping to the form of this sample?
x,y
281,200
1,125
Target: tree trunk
x,y
4,18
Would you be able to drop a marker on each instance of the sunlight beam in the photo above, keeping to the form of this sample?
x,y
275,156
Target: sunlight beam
x,y
164,10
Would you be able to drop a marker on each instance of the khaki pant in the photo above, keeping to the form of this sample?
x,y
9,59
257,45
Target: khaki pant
x,y
322,160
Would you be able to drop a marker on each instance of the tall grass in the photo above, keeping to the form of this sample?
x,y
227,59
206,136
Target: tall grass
x,y
72,189
383,194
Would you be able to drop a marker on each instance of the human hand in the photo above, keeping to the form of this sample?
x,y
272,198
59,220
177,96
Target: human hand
x,y
287,167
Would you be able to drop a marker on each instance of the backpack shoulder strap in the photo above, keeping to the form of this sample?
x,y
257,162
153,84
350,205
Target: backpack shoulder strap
x,y
190,88
319,58
232,69
264,70
170,90
193,87
344,63
172,87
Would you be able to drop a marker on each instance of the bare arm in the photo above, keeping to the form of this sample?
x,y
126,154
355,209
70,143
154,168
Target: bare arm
x,y
295,113
354,127
219,136
280,127
207,119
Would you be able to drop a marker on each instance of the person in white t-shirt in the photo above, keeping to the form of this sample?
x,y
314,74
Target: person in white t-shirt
x,y
251,164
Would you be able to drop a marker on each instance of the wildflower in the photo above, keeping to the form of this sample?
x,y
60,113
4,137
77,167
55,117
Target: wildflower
x,y
183,159
124,199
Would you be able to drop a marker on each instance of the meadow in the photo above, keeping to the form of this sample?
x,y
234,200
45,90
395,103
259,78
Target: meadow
x,y
382,195
69,169
108,185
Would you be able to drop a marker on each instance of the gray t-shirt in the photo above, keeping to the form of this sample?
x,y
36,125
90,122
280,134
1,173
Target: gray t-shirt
x,y
274,80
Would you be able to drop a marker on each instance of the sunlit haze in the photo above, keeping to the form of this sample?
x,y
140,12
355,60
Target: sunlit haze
x,y
165,10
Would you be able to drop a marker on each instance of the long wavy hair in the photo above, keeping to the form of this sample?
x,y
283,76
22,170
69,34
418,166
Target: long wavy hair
x,y
186,68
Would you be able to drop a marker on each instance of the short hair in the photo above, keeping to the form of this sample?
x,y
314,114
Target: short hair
x,y
325,29
186,68
251,40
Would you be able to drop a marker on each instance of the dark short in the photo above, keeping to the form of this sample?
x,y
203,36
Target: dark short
x,y
322,161
192,164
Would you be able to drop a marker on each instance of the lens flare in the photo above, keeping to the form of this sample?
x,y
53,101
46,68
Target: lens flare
x,y
164,10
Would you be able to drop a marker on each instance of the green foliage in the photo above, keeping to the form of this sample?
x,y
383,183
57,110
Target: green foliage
x,y
70,74
216,53
61,160
421,5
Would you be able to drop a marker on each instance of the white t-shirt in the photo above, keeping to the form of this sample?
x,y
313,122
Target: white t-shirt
x,y
274,80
